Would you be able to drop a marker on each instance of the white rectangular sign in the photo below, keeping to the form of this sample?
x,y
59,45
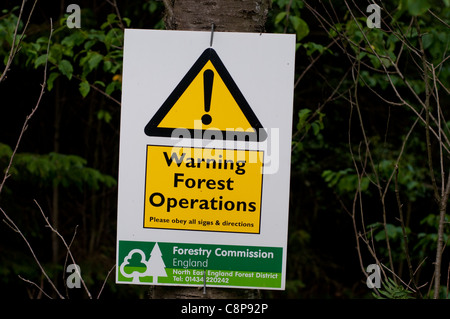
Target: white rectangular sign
x,y
205,148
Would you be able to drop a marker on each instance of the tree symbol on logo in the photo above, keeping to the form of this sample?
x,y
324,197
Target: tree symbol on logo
x,y
135,265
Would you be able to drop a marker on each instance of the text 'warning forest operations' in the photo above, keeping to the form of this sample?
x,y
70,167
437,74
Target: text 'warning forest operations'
x,y
204,189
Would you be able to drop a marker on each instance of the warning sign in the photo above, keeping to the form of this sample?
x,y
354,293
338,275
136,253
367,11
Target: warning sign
x,y
203,189
207,93
204,163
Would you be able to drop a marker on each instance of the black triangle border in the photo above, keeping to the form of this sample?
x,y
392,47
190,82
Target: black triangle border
x,y
152,129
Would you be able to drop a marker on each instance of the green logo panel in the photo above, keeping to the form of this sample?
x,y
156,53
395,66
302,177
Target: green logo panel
x,y
199,264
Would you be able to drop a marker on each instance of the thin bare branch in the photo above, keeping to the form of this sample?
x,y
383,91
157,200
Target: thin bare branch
x,y
34,284
439,19
29,116
67,257
16,46
67,247
312,63
404,233
400,279
114,4
104,282
17,229
448,281
98,90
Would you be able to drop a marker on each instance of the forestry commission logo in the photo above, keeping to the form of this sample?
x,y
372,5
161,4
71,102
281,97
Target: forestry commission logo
x,y
144,264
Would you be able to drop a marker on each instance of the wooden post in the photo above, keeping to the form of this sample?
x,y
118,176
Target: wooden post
x,y
227,15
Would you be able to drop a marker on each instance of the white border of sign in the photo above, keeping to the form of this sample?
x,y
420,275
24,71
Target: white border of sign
x,y
262,65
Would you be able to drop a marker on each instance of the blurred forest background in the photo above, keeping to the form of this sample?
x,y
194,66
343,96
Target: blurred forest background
x,y
370,152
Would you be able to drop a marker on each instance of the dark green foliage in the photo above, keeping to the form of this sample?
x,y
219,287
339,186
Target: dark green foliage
x,y
55,169
392,290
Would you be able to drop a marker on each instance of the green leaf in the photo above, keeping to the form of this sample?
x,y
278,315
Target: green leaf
x,y
113,37
302,117
393,232
114,85
328,175
5,150
107,65
75,38
300,26
312,47
127,21
316,128
65,67
427,40
51,78
94,59
280,16
56,52
104,115
111,18
84,88
89,44
392,290
40,60
365,182
418,7
101,83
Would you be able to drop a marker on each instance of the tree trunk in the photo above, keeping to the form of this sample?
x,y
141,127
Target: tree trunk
x,y
227,15
199,15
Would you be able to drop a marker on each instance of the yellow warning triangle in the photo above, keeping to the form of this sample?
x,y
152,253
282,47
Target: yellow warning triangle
x,y
207,98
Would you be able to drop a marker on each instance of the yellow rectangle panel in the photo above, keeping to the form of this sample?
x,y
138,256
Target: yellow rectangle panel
x,y
203,189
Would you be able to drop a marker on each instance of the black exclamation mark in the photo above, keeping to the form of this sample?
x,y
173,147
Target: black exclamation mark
x,y
208,79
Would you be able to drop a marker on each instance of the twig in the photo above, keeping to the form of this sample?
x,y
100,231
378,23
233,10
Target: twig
x,y
427,107
400,74
17,230
114,4
67,257
440,241
372,164
448,280
67,247
319,108
104,282
312,63
355,200
440,20
441,155
34,284
288,10
27,119
396,276
402,224
400,156
98,90
14,46
443,197
355,228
